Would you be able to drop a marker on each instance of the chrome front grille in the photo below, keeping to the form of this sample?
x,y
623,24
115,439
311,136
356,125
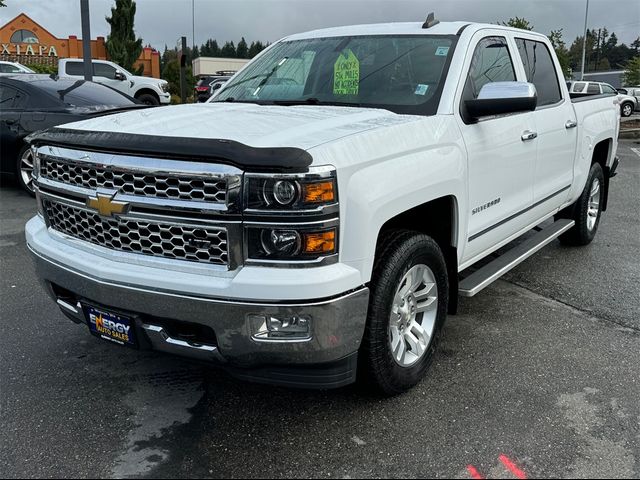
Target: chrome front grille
x,y
168,209
203,244
145,184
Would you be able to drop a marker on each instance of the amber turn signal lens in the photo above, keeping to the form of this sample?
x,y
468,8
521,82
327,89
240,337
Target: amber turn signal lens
x,y
321,192
321,242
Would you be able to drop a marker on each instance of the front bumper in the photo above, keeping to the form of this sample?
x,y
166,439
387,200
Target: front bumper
x,y
327,359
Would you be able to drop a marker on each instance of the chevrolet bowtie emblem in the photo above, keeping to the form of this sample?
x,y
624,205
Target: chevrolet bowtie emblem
x,y
106,205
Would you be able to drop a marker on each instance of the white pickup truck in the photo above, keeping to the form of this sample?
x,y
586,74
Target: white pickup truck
x,y
151,91
317,220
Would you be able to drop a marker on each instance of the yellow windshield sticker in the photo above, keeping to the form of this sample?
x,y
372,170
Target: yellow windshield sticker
x,y
346,74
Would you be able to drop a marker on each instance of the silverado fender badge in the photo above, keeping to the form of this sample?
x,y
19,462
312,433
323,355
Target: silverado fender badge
x,y
106,206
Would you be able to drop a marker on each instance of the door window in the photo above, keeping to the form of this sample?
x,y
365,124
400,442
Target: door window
x,y
491,62
540,70
9,97
593,89
609,90
104,70
75,68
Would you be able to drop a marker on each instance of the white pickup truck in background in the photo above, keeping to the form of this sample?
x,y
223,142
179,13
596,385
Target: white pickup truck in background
x,y
151,91
317,220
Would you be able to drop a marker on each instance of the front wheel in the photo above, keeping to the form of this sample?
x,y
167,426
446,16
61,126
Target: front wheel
x,y
627,109
407,309
149,99
586,211
24,169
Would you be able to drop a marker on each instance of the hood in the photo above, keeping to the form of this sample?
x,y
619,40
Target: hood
x,y
147,80
260,126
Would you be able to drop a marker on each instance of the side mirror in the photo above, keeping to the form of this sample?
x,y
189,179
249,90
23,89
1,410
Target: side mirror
x,y
120,76
497,98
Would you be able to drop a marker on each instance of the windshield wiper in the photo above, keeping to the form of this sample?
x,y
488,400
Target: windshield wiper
x,y
305,101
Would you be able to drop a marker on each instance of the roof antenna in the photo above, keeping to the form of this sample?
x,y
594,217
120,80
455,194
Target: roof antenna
x,y
431,21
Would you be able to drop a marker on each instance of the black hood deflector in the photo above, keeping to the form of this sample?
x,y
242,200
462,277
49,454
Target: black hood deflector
x,y
287,159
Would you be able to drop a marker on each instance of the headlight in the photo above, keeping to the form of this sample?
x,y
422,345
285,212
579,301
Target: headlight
x,y
291,243
164,87
291,192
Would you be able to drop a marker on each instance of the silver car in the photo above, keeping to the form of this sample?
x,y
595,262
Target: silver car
x,y
628,103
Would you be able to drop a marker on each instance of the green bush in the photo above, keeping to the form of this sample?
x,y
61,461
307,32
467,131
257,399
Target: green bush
x,y
48,69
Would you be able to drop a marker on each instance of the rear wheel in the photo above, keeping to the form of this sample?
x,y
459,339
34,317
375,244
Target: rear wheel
x,y
407,309
25,169
627,109
148,99
586,211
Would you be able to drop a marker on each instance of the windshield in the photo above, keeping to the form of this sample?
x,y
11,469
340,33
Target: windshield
x,y
404,74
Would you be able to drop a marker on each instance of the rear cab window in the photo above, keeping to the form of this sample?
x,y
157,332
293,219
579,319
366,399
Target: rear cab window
x,y
593,89
540,70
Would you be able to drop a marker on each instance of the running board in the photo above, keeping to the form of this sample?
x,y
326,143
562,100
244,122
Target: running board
x,y
488,274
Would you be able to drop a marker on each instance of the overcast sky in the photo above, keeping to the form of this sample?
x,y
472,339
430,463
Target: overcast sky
x,y
161,22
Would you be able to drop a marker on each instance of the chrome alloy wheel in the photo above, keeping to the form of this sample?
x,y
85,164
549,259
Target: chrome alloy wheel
x,y
594,205
627,110
413,315
26,169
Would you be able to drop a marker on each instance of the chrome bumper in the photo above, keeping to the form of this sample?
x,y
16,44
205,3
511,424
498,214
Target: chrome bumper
x,y
337,324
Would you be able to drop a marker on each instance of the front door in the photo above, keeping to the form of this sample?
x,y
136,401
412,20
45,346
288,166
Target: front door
x,y
500,163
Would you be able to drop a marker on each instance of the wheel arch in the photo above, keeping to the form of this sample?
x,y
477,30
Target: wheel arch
x,y
145,91
438,218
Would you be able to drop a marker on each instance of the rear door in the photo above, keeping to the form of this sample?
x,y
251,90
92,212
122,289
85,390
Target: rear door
x,y
555,122
11,132
501,165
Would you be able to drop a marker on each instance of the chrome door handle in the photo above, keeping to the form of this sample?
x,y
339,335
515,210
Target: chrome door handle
x,y
570,124
528,135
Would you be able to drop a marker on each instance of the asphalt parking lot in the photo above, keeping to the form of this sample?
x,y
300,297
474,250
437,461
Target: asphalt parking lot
x,y
538,376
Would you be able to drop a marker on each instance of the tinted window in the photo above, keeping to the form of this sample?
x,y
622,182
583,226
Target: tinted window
x,y
75,68
609,89
579,87
491,62
593,89
104,70
9,97
83,94
540,70
8,68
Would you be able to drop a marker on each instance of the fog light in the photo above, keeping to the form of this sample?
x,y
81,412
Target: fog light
x,y
280,327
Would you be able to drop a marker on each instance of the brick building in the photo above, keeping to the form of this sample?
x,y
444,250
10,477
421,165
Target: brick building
x,y
23,40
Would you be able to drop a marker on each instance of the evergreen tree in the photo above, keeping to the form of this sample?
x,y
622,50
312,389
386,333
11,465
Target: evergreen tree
x,y
242,51
555,37
518,22
122,45
228,50
632,72
255,49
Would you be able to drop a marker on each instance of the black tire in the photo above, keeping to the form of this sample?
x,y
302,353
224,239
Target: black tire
x,y
583,232
149,99
23,162
626,109
398,252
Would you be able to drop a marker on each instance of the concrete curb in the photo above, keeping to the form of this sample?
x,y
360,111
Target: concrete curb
x,y
631,133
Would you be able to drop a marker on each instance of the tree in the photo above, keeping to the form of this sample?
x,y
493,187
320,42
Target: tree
x,y
255,49
2,4
632,72
555,37
228,50
518,22
122,45
242,51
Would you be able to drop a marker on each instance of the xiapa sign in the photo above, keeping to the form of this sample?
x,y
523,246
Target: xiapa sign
x,y
29,49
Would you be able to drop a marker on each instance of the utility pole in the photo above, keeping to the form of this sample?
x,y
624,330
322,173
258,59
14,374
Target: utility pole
x,y
193,26
584,40
86,40
183,71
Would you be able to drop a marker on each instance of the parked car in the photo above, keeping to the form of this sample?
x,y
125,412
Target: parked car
x,y
633,91
316,221
151,91
13,67
31,102
207,86
628,103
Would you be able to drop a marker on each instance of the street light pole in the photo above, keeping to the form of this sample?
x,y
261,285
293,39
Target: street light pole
x,y
193,25
584,40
